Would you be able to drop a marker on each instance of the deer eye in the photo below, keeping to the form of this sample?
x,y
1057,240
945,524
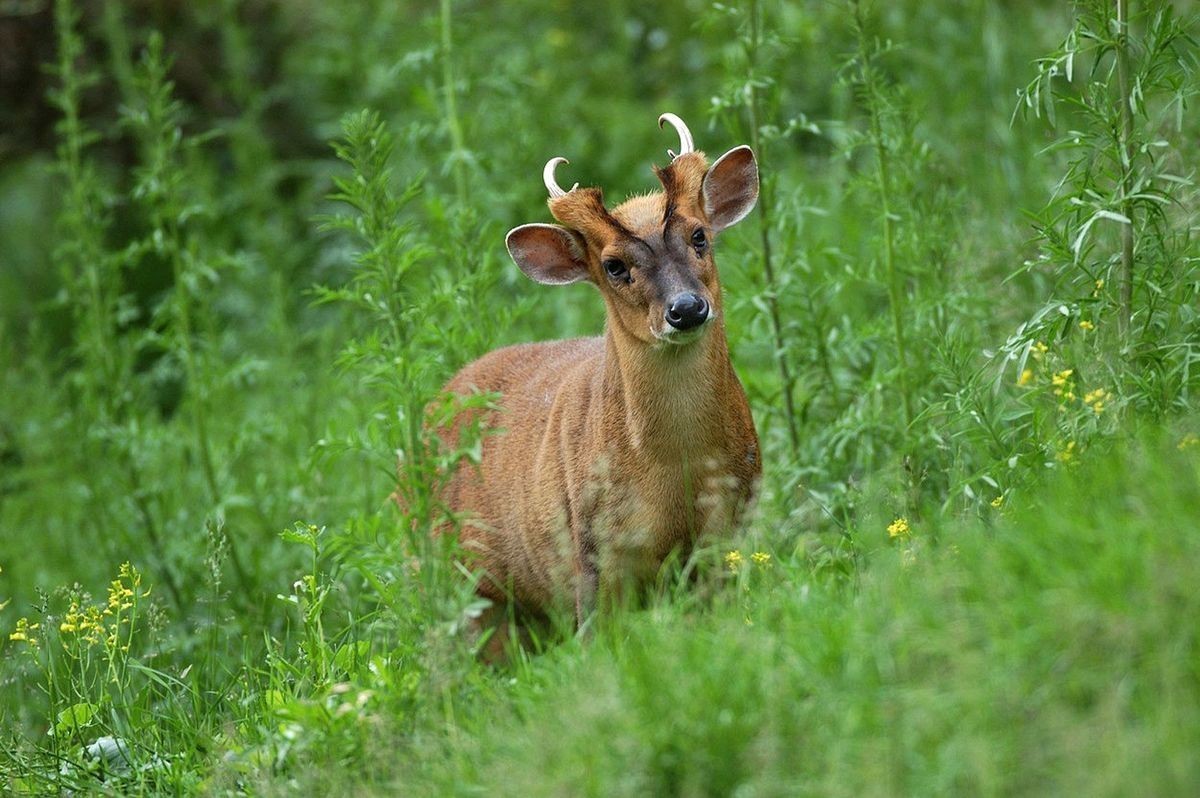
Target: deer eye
x,y
617,269
699,240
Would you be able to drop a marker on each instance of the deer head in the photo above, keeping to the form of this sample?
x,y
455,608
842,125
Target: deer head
x,y
652,256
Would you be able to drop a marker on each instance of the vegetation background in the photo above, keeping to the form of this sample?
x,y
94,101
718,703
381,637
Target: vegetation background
x,y
243,243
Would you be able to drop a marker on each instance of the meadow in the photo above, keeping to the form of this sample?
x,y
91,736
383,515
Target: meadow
x,y
244,244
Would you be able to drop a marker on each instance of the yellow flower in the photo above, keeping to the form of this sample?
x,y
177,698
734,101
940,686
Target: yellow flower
x,y
999,500
761,558
733,560
127,571
24,633
1067,453
1025,378
1039,349
1087,325
1062,384
899,528
92,625
1189,440
122,587
1095,400
1099,288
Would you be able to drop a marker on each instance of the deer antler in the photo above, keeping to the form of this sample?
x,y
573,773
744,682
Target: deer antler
x,y
686,144
548,177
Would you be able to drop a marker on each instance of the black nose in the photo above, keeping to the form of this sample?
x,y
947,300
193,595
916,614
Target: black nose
x,y
687,311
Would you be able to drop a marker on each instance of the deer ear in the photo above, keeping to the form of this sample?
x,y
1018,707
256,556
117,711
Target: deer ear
x,y
547,253
730,188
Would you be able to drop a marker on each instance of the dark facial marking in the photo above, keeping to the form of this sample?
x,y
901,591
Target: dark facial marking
x,y
667,178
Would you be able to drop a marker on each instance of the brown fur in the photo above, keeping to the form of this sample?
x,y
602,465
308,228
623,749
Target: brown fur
x,y
615,451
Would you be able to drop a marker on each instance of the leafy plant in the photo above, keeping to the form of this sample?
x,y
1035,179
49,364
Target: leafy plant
x,y
1117,231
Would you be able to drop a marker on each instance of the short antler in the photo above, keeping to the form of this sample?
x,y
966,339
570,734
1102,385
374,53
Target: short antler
x,y
548,177
686,144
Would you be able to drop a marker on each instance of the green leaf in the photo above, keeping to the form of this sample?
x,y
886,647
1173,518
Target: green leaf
x,y
75,717
352,656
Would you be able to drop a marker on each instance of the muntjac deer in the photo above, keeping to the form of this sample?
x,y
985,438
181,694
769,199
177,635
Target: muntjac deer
x,y
613,452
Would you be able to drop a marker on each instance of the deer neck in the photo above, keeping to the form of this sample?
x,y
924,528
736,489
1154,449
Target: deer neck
x,y
671,402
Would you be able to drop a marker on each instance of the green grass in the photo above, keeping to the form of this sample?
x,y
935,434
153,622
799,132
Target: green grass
x,y
1051,648
229,297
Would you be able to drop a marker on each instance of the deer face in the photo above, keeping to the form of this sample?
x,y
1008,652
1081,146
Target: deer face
x,y
657,275
651,257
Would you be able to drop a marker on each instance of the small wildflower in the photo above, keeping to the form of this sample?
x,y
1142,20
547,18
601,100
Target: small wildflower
x,y
1099,288
733,560
92,624
998,501
1062,384
1095,400
24,633
1025,379
1060,378
121,589
1087,325
1066,454
761,558
1039,349
899,528
1189,440
70,621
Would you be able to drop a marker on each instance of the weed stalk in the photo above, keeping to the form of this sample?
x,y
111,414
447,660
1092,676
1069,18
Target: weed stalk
x,y
1126,147
786,378
82,260
871,94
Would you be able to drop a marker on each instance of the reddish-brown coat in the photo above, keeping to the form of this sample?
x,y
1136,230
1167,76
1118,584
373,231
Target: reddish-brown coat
x,y
613,451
